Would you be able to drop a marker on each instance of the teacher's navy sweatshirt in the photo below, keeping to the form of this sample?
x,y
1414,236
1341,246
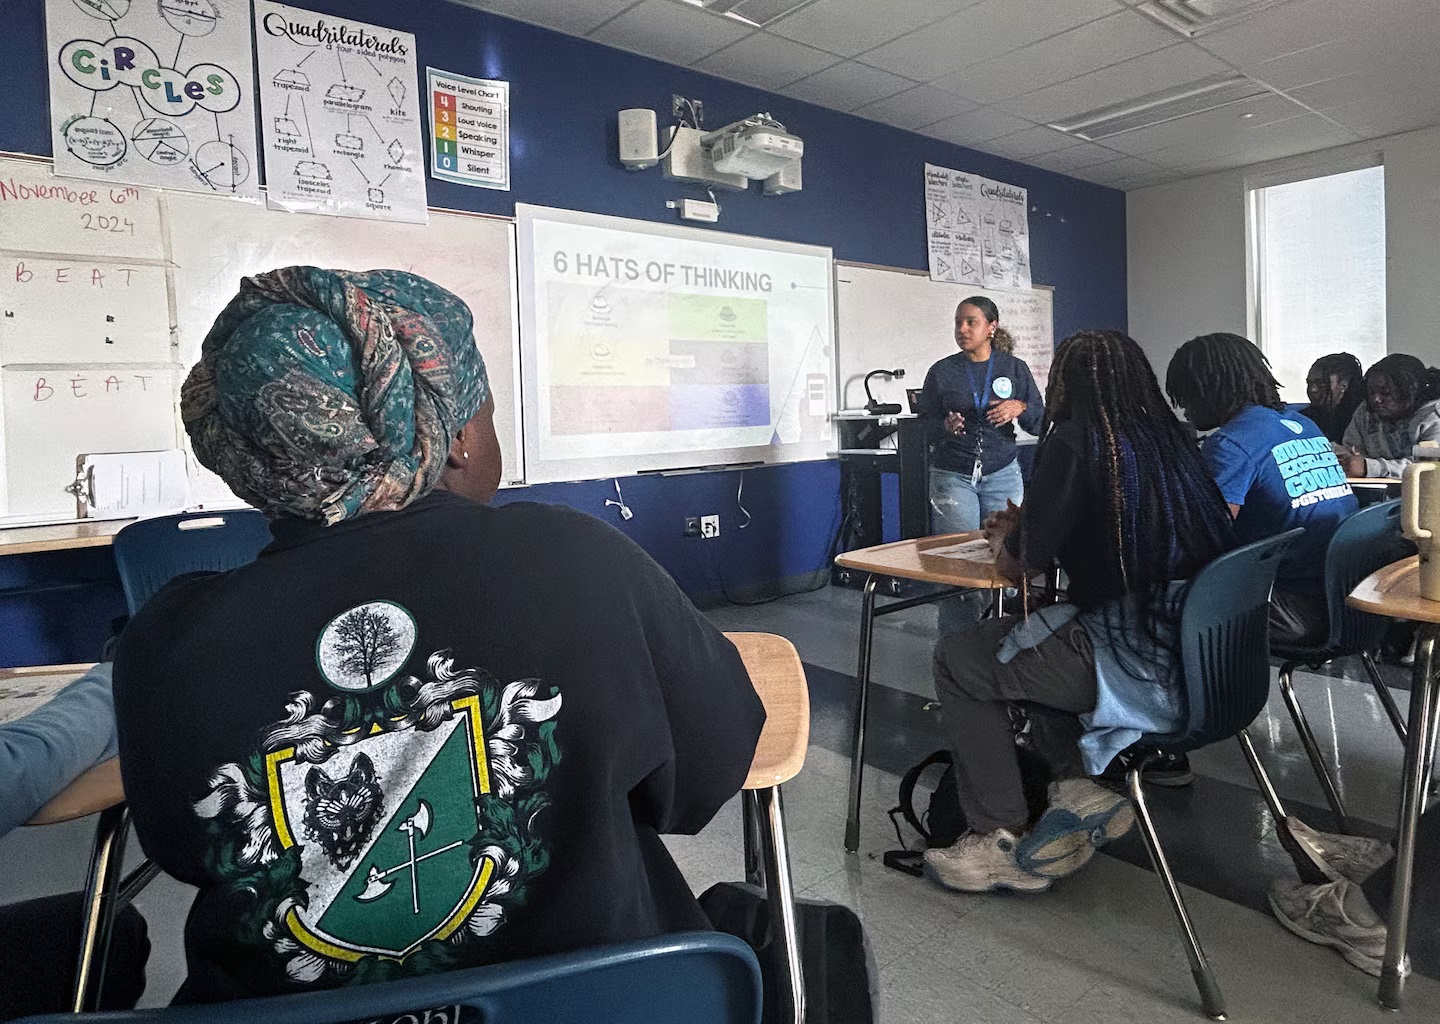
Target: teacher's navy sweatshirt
x,y
952,386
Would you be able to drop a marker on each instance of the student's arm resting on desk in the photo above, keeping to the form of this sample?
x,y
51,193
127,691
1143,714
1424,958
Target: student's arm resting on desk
x,y
1051,510
1424,426
711,707
46,750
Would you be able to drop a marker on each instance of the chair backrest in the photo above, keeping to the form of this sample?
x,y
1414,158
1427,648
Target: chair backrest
x,y
152,552
689,977
1225,640
1366,542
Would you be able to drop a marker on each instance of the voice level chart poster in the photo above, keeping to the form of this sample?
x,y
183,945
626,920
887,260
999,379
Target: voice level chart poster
x,y
153,92
340,115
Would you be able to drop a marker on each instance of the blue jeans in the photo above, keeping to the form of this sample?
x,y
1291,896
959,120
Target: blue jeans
x,y
956,506
46,750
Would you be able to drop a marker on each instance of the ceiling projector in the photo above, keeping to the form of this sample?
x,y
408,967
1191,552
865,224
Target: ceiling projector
x,y
756,147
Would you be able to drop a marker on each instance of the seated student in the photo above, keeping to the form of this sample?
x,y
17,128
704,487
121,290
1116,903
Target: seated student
x,y
1400,411
1275,469
40,754
1335,386
1120,498
418,733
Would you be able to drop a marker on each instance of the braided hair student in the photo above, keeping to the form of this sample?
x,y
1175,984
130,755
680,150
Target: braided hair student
x,y
1120,498
1275,469
1400,411
1335,386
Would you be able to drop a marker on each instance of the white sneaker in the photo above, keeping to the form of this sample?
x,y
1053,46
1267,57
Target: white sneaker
x,y
1335,914
1339,856
983,862
1081,817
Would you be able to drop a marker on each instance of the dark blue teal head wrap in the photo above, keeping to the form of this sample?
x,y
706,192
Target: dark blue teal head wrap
x,y
326,394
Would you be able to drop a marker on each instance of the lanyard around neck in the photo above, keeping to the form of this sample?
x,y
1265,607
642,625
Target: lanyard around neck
x,y
979,396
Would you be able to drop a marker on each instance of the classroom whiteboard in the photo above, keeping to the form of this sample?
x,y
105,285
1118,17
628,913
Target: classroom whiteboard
x,y
888,318
107,292
472,256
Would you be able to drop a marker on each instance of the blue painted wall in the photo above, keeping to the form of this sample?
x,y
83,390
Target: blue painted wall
x,y
862,197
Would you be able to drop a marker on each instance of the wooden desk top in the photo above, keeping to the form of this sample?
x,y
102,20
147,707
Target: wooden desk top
x,y
917,560
1373,481
779,679
91,793
23,540
1395,591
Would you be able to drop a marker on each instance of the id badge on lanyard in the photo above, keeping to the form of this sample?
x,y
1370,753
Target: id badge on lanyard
x,y
980,397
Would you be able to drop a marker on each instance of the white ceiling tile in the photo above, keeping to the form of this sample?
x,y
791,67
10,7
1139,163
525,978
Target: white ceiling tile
x,y
1304,134
1130,80
915,108
571,16
766,61
669,31
982,32
1027,143
848,27
1088,48
1127,171
1223,127
847,86
1073,157
1377,116
1304,23
976,126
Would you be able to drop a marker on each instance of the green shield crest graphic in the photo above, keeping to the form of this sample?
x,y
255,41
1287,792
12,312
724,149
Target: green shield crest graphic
x,y
384,828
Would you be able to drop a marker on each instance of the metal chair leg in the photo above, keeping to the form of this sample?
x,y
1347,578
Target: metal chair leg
x,y
1387,699
1412,802
1309,873
862,703
754,847
102,885
1312,748
780,892
1209,989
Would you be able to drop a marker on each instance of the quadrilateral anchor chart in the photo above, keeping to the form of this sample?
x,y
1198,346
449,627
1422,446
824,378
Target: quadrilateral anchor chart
x,y
153,92
341,114
978,229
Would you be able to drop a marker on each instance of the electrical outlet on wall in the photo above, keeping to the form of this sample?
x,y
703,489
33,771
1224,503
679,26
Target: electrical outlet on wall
x,y
692,526
709,526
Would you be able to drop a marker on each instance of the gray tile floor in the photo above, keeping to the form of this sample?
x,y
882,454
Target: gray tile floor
x,y
1099,946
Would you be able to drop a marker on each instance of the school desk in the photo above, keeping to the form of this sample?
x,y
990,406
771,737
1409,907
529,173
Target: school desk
x,y
1394,592
956,561
25,540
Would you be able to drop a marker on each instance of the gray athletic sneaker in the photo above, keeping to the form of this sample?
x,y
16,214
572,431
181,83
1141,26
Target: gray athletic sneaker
x,y
1080,818
1339,856
1335,914
983,862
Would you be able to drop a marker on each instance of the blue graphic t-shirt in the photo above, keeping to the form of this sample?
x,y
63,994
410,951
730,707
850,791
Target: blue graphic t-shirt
x,y
1280,470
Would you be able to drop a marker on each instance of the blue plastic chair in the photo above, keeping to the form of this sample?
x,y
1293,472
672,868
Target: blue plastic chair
x,y
152,552
149,554
1224,633
1366,542
686,978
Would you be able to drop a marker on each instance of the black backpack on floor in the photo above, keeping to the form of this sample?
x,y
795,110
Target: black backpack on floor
x,y
943,822
839,968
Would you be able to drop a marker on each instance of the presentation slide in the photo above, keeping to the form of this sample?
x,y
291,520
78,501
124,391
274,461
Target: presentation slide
x,y
655,346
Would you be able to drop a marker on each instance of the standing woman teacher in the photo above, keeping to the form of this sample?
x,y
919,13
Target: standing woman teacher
x,y
970,404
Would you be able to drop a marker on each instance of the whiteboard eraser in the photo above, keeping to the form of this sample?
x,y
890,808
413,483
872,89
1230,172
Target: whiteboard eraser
x,y
699,209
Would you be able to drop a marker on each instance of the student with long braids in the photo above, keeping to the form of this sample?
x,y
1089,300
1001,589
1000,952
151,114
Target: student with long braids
x,y
1120,498
1275,469
1400,411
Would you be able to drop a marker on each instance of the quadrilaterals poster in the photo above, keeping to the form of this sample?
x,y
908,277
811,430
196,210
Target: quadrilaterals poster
x,y
340,106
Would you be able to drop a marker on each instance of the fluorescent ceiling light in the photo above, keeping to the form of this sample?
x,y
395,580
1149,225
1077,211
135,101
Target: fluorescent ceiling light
x,y
1160,107
756,13
1191,18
